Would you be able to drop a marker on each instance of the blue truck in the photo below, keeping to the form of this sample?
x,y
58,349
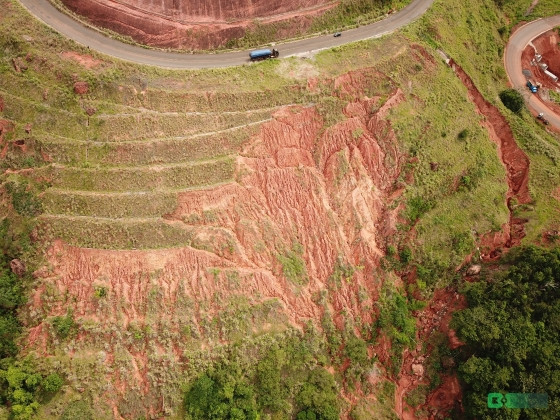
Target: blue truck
x,y
532,87
263,54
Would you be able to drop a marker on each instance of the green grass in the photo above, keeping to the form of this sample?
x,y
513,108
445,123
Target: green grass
x,y
161,151
143,178
472,38
145,204
149,125
293,265
116,234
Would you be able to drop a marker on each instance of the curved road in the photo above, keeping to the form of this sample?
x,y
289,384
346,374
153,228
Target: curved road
x,y
512,61
62,23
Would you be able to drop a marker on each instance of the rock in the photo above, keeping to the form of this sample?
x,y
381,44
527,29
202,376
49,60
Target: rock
x,y
81,88
418,369
434,166
28,128
17,267
473,270
90,111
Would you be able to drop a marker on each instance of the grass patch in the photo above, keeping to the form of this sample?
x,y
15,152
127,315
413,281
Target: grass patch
x,y
293,265
145,204
177,176
116,234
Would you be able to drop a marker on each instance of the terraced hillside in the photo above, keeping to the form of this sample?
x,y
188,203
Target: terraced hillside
x,y
116,165
294,228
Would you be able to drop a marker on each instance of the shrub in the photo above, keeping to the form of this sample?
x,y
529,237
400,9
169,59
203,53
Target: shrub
x,y
52,383
64,325
512,99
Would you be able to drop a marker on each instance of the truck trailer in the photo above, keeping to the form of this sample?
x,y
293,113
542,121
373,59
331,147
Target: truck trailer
x,y
263,54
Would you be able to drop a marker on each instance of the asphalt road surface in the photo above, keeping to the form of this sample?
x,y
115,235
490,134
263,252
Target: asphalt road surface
x,y
93,39
512,61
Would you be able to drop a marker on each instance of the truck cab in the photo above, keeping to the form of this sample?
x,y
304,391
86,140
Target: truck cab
x,y
533,88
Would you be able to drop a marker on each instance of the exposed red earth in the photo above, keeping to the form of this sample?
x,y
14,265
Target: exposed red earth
x,y
193,24
547,45
329,189
516,164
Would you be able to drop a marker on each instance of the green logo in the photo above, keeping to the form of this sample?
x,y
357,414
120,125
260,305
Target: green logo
x,y
496,400
517,400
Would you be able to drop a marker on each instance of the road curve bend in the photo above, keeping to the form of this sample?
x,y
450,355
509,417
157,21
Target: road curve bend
x,y
512,61
70,28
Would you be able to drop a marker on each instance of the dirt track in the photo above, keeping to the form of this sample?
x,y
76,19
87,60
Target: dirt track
x,y
512,61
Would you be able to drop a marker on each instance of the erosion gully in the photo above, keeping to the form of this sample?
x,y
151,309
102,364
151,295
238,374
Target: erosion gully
x,y
438,313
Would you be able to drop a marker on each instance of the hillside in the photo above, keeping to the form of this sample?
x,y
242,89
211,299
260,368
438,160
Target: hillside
x,y
196,25
285,238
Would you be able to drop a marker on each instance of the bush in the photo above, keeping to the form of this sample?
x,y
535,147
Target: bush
x,y
463,134
64,325
52,383
512,99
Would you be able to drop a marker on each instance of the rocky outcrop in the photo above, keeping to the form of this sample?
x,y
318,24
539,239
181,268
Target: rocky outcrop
x,y
195,24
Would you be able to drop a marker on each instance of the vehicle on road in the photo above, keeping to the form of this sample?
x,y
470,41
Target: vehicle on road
x,y
542,118
337,34
263,54
532,87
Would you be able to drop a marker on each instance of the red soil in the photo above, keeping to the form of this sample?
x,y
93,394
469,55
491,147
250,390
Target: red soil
x,y
515,162
326,188
192,24
435,318
83,59
548,46
81,88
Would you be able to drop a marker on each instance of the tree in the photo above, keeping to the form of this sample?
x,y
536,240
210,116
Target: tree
x,y
511,329
512,99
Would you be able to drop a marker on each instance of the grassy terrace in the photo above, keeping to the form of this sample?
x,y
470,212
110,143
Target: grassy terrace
x,y
155,132
163,150
116,157
117,233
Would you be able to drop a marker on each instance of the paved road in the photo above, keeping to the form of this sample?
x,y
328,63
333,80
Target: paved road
x,y
72,29
512,60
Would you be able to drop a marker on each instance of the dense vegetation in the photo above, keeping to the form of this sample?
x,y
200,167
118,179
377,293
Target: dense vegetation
x,y
22,385
286,379
513,100
511,329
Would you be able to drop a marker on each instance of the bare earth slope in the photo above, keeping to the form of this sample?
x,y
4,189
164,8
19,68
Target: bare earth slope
x,y
302,192
195,24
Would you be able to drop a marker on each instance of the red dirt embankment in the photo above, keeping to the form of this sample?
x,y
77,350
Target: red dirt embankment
x,y
193,24
515,162
297,181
